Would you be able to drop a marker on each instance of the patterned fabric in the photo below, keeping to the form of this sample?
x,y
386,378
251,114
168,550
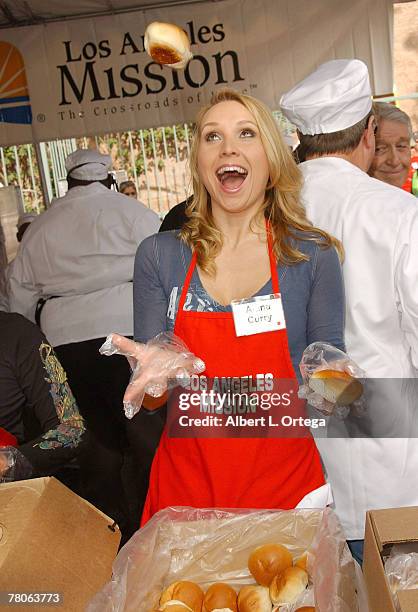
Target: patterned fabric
x,y
71,428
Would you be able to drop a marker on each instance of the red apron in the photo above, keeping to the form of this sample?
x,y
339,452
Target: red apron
x,y
232,472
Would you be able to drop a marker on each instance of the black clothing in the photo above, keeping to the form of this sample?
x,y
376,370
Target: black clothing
x,y
175,218
111,479
36,403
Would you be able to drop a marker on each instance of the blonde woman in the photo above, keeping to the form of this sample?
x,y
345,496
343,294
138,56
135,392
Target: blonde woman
x,y
246,236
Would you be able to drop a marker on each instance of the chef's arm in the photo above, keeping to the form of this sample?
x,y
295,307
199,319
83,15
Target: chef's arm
x,y
145,225
23,294
406,280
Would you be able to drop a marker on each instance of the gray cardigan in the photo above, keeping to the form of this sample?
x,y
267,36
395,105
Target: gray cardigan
x,y
312,293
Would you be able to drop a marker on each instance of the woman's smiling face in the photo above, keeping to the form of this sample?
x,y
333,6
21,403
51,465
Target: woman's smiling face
x,y
231,159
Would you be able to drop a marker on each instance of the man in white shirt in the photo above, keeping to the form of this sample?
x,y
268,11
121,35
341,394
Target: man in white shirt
x,y
74,269
378,226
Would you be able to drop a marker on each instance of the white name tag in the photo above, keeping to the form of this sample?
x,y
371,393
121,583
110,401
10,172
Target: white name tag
x,y
259,314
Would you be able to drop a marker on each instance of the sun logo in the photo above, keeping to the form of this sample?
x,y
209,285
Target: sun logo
x,y
14,95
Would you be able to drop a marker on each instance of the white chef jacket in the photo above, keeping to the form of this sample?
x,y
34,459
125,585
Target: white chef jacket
x,y
378,226
81,249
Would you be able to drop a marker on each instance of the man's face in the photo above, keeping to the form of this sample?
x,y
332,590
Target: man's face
x,y
393,153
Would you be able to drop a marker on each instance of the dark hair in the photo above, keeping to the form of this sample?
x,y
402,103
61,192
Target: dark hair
x,y
343,141
124,184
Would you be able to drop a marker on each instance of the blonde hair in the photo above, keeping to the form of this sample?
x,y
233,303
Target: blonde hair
x,y
281,207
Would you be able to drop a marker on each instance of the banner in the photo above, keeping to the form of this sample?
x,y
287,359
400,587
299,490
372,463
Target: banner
x,y
91,76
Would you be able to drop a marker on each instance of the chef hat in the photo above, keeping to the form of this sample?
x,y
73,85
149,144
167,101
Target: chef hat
x,y
334,97
88,165
25,218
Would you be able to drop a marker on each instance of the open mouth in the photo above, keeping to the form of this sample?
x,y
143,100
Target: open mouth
x,y
231,177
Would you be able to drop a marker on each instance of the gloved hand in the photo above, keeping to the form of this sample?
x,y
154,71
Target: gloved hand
x,y
328,392
161,364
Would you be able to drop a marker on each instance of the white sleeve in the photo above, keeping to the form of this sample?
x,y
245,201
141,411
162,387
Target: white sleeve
x,y
146,224
23,294
406,280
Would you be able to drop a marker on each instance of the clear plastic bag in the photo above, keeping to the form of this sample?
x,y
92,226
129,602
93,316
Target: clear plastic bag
x,y
208,546
320,356
161,364
401,568
13,465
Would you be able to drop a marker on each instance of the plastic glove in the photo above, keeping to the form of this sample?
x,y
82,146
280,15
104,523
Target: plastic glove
x,y
13,465
161,364
321,356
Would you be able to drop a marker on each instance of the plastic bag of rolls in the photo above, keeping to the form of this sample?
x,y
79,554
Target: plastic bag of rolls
x,y
191,560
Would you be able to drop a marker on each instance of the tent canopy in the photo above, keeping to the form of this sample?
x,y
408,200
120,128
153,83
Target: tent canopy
x,y
15,13
75,77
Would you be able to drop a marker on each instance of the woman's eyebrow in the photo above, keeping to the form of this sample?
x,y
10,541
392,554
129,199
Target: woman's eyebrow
x,y
247,121
242,122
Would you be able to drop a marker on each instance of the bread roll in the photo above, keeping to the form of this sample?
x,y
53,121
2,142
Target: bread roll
x,y
167,44
267,561
305,609
287,586
336,387
174,606
220,596
254,598
185,592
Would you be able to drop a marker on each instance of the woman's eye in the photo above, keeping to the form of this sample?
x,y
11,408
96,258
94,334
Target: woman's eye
x,y
380,149
247,133
212,136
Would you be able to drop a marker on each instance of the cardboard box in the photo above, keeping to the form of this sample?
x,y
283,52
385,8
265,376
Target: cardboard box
x,y
213,545
52,541
384,528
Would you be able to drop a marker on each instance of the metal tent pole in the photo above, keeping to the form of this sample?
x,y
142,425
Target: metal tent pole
x,y
45,180
32,177
133,160
3,164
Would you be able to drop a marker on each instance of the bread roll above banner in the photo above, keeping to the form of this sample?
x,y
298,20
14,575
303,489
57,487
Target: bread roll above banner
x,y
167,44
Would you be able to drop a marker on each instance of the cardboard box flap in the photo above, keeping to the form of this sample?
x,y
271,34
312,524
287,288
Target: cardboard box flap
x,y
408,600
395,525
55,541
17,503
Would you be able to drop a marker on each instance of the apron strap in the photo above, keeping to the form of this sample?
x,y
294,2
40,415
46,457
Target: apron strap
x,y
187,283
